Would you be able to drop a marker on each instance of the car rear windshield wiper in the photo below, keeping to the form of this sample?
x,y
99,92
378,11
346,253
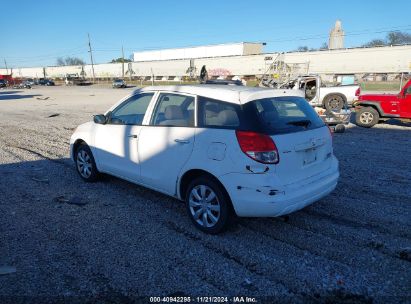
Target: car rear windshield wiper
x,y
303,123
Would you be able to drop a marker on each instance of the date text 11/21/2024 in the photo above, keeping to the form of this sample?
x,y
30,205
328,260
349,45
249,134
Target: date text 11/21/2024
x,y
186,299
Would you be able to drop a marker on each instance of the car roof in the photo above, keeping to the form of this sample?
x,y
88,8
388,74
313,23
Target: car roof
x,y
229,93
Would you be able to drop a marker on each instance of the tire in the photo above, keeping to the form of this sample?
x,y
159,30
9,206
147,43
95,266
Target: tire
x,y
85,164
367,117
334,102
340,128
212,216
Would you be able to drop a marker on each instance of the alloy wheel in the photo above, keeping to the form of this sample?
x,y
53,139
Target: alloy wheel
x,y
366,118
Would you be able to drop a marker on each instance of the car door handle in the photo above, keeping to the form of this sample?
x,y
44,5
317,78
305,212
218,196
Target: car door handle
x,y
182,141
132,136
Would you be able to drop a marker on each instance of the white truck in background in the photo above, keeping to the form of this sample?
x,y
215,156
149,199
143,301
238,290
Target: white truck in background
x,y
332,98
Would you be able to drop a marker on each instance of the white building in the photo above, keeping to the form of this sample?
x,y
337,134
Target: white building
x,y
218,50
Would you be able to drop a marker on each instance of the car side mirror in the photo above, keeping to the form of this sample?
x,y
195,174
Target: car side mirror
x,y
100,119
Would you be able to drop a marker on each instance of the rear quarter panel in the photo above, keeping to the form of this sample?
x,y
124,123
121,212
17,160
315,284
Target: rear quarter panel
x,y
217,151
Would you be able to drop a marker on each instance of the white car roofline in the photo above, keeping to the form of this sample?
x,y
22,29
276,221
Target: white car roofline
x,y
228,93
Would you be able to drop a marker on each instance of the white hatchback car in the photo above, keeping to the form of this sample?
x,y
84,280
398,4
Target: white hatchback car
x,y
224,150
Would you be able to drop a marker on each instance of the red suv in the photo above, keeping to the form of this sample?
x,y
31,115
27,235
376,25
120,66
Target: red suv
x,y
372,108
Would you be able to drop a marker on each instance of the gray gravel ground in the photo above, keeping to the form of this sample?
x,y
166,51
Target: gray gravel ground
x,y
127,241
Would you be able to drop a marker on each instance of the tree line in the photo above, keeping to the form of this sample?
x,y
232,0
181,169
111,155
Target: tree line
x,y
392,38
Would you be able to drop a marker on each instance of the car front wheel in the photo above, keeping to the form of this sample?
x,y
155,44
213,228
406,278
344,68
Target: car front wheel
x,y
85,164
208,206
366,117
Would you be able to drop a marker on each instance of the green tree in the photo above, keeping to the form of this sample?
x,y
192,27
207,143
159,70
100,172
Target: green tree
x,y
398,38
120,60
69,61
302,49
324,46
375,42
392,38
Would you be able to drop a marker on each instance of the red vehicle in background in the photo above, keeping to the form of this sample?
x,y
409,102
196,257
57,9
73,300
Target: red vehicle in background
x,y
5,80
16,83
372,108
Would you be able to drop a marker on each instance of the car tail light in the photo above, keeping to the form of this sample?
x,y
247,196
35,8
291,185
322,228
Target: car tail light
x,y
358,92
259,147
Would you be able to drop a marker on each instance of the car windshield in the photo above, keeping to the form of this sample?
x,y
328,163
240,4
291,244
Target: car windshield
x,y
280,115
118,80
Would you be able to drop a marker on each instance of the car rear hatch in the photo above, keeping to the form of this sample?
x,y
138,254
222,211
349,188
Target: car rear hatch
x,y
303,154
303,141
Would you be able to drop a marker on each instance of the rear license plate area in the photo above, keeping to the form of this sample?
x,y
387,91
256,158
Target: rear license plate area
x,y
309,157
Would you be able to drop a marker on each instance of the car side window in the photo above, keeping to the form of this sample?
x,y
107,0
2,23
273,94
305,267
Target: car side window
x,y
219,114
132,110
408,92
174,110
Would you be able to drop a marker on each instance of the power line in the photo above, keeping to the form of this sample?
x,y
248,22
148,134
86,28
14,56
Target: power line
x,y
46,58
284,39
287,39
115,49
47,55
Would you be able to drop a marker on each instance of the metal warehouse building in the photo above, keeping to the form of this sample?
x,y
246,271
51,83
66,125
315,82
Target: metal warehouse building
x,y
232,49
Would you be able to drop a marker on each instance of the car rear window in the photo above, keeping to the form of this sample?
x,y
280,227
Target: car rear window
x,y
281,115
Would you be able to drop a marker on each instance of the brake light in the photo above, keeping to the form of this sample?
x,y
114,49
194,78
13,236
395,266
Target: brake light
x,y
358,92
259,147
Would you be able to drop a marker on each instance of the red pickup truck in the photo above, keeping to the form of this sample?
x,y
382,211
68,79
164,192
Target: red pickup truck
x,y
372,108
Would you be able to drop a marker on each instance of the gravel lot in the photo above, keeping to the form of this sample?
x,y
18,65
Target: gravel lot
x,y
127,241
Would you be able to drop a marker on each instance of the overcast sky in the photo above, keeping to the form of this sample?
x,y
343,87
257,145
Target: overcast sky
x,y
35,33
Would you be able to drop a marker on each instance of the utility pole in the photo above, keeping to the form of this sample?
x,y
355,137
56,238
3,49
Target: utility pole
x,y
5,63
122,62
91,55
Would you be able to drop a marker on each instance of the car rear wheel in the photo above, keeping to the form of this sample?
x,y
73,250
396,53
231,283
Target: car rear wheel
x,y
85,164
207,205
367,117
334,103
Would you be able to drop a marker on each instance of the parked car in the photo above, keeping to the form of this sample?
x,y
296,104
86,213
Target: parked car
x,y
30,81
46,82
3,83
224,150
119,83
22,85
372,108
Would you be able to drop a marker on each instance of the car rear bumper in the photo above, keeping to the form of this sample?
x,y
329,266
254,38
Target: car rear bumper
x,y
260,195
